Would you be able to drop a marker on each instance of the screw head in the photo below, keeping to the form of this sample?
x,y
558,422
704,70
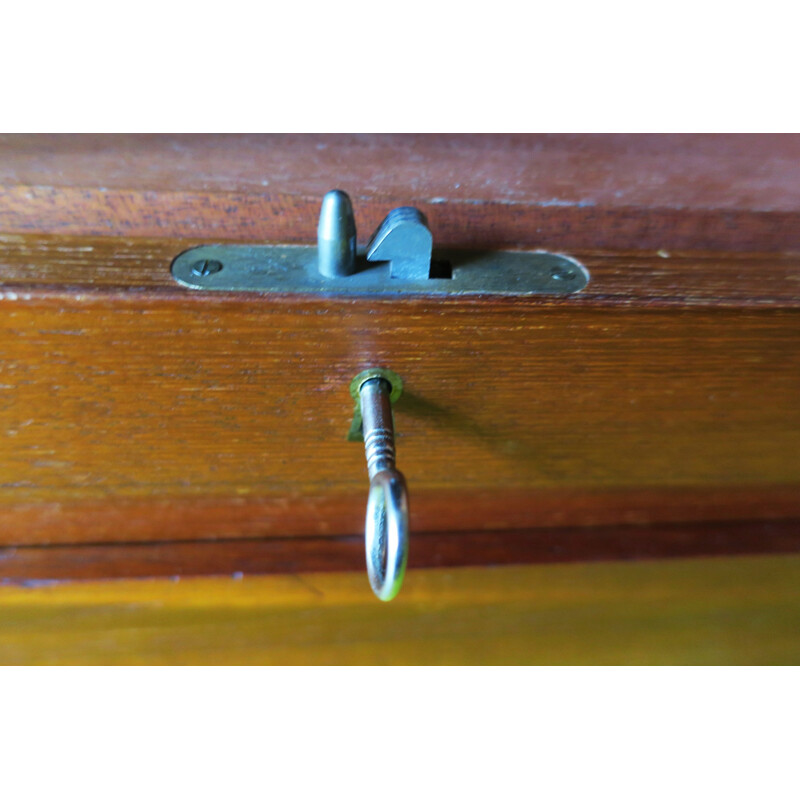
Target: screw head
x,y
562,274
206,266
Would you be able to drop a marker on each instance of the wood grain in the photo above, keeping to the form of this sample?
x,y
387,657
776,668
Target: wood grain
x,y
35,565
123,408
672,192
693,611
133,410
161,516
638,279
188,430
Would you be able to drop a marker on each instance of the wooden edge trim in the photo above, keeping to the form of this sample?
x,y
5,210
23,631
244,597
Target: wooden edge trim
x,y
30,566
121,520
253,217
87,269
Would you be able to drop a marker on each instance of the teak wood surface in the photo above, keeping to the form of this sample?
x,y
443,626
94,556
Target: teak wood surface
x,y
693,611
158,422
163,414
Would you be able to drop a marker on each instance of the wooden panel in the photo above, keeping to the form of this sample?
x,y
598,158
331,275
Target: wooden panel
x,y
697,611
143,411
135,411
577,191
239,400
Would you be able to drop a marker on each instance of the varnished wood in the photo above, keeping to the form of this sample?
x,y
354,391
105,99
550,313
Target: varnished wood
x,y
661,404
117,517
241,557
670,192
135,410
68,264
695,611
153,431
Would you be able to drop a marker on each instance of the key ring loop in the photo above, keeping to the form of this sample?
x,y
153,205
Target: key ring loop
x,y
386,533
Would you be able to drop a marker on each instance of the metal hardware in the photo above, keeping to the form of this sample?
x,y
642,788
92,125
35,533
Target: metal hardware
x,y
386,524
336,236
397,262
291,269
405,241
205,267
356,433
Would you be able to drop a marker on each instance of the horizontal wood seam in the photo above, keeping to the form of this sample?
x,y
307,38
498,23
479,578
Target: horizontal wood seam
x,y
26,564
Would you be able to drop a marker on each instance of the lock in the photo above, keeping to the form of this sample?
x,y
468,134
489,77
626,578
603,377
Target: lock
x,y
399,260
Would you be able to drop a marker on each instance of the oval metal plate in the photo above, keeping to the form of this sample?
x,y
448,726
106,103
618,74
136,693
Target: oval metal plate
x,y
292,269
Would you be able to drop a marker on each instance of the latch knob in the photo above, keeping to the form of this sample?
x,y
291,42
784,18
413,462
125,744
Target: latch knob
x,y
336,236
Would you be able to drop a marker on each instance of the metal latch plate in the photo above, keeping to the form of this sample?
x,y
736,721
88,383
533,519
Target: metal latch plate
x,y
293,269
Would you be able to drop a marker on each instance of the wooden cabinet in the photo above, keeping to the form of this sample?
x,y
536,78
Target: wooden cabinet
x,y
152,431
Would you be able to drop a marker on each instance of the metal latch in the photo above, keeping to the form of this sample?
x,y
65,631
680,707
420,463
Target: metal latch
x,y
399,260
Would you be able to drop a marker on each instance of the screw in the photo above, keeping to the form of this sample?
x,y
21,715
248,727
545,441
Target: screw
x,y
376,413
208,266
386,524
562,274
